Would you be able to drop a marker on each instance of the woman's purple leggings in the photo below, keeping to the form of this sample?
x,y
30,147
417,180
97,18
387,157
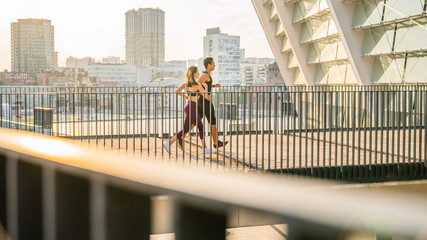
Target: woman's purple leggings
x,y
193,114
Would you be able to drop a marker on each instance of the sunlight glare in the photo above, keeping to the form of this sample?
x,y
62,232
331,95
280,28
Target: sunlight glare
x,y
49,146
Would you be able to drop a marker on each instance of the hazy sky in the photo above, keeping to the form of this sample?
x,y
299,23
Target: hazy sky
x,y
96,28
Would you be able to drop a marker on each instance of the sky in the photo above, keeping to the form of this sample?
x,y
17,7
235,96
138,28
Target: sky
x,y
96,28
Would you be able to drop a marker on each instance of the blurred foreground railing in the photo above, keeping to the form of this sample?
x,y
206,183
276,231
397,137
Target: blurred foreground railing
x,y
366,133
51,189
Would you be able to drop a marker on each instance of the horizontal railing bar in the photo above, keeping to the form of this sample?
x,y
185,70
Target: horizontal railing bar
x,y
297,200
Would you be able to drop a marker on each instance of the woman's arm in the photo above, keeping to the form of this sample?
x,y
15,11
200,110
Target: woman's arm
x,y
179,89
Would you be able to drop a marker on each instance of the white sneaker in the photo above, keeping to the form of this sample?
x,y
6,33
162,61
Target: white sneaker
x,y
208,151
167,147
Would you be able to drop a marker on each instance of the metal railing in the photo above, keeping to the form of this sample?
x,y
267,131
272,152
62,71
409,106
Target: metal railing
x,y
53,189
368,133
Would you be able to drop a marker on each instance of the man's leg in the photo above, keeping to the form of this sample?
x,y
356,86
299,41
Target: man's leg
x,y
217,143
214,133
214,130
210,116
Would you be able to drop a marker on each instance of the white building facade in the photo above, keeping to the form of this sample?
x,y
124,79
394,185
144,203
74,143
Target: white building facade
x,y
166,70
144,75
193,62
196,62
111,60
330,42
254,71
225,49
113,74
79,63
175,68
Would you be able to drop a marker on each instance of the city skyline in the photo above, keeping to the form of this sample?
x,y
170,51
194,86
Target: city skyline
x,y
96,30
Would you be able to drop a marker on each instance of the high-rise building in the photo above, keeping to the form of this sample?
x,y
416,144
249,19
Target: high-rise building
x,y
145,37
32,46
225,49
328,42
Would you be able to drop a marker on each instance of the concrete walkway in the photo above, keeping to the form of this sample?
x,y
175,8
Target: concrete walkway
x,y
270,232
274,151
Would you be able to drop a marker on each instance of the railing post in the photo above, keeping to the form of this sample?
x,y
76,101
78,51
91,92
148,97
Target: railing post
x,y
30,215
72,206
12,197
49,204
128,214
3,192
97,207
194,223
307,231
382,237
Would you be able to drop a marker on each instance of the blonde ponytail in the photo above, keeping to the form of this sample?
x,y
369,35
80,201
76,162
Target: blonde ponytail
x,y
190,81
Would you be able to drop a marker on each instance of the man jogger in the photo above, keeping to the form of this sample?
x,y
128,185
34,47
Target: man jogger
x,y
205,106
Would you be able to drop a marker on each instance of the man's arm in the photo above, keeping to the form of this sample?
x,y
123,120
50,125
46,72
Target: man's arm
x,y
202,78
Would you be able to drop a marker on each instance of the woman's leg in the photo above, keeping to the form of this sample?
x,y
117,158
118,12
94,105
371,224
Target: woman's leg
x,y
186,126
200,127
173,139
197,121
181,133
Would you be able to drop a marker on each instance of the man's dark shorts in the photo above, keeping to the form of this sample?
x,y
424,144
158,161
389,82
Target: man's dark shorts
x,y
208,111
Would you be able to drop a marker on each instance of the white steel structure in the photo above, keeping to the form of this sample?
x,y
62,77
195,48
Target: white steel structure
x,y
347,42
225,49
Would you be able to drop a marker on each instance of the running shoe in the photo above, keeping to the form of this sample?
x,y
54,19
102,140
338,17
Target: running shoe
x,y
208,151
167,147
220,144
180,144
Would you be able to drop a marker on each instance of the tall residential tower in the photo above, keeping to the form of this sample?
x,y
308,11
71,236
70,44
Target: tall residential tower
x,y
32,46
145,37
225,49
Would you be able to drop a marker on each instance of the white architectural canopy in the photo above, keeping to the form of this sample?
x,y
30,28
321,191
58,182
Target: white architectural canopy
x,y
348,42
